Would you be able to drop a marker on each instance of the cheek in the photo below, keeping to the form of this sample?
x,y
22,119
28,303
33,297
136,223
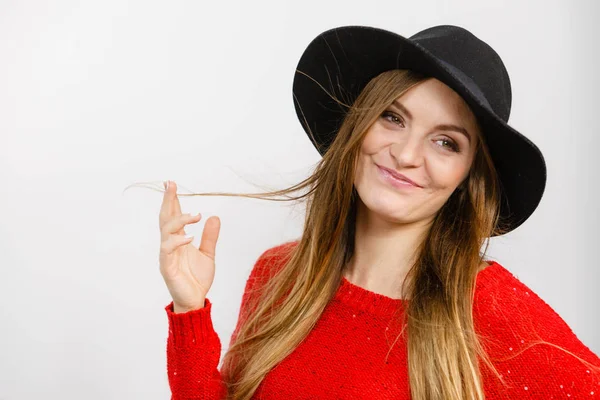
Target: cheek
x,y
374,139
368,148
446,174
361,168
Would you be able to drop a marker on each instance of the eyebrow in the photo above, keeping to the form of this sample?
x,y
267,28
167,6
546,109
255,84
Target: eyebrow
x,y
442,127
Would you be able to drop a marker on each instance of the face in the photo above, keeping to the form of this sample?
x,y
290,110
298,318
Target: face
x,y
429,135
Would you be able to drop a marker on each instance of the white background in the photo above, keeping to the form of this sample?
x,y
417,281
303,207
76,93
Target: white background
x,y
95,96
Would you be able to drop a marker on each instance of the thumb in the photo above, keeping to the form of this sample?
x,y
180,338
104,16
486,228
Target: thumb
x,y
210,235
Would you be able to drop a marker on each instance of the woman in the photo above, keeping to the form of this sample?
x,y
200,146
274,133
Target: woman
x,y
386,294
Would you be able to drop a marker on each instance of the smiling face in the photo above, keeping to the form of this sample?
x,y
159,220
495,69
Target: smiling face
x,y
429,135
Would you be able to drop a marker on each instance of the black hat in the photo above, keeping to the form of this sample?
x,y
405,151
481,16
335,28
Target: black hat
x,y
343,60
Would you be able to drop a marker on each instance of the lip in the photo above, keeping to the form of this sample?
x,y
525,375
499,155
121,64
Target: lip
x,y
395,178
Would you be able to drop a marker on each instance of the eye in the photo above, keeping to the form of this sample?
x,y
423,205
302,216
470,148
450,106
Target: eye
x,y
393,118
450,144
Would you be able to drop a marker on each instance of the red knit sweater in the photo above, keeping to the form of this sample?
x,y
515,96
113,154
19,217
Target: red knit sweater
x,y
344,355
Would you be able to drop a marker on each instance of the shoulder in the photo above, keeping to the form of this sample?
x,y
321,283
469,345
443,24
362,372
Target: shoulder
x,y
266,265
501,298
269,263
272,258
524,335
278,252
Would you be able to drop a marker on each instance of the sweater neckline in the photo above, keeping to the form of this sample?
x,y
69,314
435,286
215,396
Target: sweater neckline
x,y
371,302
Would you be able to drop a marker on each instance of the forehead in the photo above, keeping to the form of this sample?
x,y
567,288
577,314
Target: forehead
x,y
435,98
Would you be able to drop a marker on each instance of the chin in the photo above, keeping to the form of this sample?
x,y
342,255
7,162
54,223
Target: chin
x,y
386,203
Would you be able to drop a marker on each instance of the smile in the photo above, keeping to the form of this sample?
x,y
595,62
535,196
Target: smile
x,y
393,181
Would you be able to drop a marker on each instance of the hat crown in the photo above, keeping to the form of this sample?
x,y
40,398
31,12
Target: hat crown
x,y
472,57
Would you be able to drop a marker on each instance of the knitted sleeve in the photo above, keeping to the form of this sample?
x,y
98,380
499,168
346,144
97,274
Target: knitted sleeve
x,y
536,353
194,348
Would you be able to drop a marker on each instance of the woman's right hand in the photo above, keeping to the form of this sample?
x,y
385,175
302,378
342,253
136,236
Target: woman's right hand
x,y
188,272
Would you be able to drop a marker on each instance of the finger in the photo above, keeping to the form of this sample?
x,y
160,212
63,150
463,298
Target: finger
x,y
175,225
175,206
168,246
210,234
165,207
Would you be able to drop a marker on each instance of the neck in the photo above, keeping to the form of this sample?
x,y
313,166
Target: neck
x,y
384,251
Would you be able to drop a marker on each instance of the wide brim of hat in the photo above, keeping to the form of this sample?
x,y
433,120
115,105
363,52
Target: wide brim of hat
x,y
341,61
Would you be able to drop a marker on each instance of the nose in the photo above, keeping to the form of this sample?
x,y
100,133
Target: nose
x,y
408,152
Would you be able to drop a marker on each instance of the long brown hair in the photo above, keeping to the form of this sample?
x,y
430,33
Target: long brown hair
x,y
443,348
